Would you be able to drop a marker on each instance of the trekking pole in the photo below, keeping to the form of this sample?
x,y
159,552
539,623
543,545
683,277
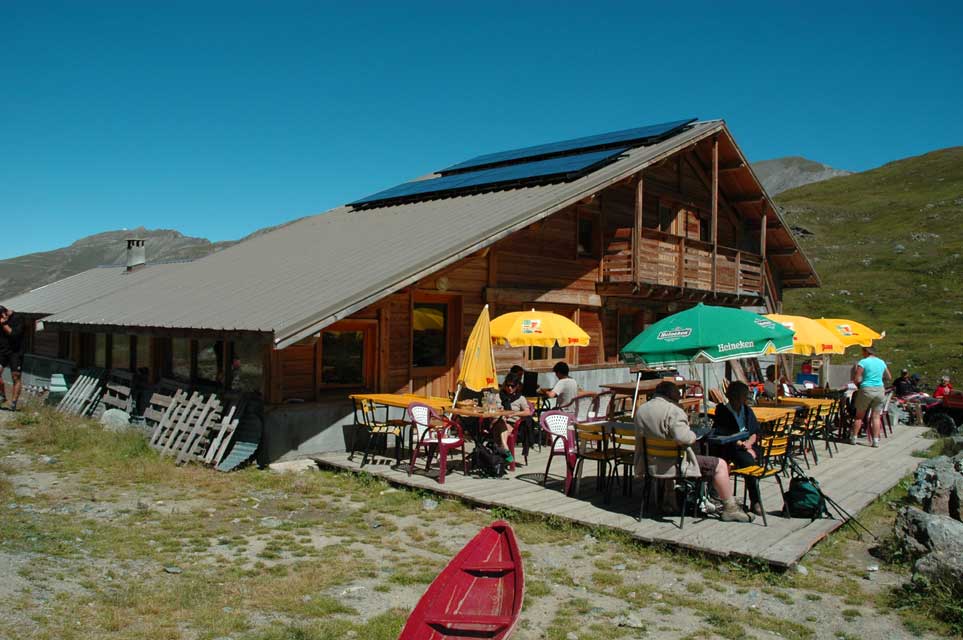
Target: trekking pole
x,y
849,518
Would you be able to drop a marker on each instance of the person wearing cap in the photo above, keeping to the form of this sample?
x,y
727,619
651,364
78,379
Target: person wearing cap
x,y
944,388
904,385
870,374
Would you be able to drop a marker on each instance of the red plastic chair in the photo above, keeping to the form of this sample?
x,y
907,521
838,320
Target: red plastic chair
x,y
560,428
434,433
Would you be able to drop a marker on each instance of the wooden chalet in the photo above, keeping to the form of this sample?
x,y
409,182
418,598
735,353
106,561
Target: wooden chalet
x,y
381,295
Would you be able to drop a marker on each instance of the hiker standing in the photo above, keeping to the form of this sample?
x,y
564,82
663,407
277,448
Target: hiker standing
x,y
11,353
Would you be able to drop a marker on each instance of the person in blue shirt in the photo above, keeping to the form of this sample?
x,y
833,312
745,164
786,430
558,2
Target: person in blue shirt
x,y
871,372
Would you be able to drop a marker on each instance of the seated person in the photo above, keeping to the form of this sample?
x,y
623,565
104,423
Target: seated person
x,y
565,389
662,417
517,370
736,417
769,387
944,388
512,400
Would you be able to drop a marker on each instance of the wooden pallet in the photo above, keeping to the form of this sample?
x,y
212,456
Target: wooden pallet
x,y
83,395
191,428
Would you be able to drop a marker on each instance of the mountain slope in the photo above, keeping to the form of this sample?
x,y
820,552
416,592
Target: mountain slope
x,y
30,271
888,244
782,174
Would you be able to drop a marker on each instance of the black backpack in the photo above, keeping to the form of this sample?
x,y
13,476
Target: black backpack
x,y
487,462
805,499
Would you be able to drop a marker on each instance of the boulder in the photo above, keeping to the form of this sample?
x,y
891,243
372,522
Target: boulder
x,y
945,568
115,420
923,533
938,485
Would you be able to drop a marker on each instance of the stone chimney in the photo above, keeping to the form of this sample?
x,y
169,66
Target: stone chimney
x,y
136,253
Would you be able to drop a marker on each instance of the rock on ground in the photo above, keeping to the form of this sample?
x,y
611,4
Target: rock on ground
x,y
115,420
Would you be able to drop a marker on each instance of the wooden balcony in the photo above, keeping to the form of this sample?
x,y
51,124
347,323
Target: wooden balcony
x,y
674,261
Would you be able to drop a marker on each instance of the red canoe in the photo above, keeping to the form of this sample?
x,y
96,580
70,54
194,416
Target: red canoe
x,y
478,595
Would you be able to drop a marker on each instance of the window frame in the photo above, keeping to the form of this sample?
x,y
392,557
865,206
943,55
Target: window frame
x,y
369,363
453,332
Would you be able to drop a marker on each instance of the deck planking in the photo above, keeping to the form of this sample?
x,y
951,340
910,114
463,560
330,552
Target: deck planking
x,y
854,477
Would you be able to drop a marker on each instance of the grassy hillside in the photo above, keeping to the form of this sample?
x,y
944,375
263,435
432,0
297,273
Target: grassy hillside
x,y
888,244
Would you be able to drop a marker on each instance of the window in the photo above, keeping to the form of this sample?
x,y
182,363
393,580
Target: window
x,y
342,358
210,365
247,366
429,334
346,355
120,352
180,367
587,239
63,345
142,352
100,350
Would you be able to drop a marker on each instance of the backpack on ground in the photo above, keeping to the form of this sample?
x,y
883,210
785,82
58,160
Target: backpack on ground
x,y
487,462
805,499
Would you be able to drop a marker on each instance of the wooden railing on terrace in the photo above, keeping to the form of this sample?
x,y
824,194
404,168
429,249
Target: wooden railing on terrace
x,y
671,260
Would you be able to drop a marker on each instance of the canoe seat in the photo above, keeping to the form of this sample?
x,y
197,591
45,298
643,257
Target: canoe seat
x,y
462,620
489,567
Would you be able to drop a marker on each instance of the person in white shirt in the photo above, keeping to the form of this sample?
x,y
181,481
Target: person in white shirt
x,y
565,389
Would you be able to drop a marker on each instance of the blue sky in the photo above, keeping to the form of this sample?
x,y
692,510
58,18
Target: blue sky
x,y
217,119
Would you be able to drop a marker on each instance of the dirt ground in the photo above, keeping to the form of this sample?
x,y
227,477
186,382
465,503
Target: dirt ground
x,y
101,538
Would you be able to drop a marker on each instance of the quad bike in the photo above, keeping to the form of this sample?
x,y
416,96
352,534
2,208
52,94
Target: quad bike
x,y
945,415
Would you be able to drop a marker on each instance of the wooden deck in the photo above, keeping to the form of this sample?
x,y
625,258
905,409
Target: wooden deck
x,y
855,477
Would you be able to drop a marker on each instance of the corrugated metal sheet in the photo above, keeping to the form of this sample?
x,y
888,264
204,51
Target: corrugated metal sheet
x,y
295,280
85,287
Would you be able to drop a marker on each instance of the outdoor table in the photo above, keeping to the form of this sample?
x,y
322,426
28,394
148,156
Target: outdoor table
x,y
483,416
402,400
646,387
809,403
768,414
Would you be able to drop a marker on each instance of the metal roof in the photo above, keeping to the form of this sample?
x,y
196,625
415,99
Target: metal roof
x,y
296,280
84,287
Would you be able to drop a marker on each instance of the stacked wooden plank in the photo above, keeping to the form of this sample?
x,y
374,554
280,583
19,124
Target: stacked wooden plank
x,y
84,394
191,427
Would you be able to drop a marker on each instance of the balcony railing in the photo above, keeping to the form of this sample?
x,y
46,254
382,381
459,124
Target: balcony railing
x,y
670,260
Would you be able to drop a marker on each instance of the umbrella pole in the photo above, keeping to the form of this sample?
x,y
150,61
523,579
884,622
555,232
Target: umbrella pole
x,y
705,390
635,396
457,391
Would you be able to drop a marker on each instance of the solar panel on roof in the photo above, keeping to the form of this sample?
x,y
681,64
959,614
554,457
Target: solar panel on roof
x,y
554,168
639,134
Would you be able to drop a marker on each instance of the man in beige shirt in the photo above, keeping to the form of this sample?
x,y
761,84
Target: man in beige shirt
x,y
662,417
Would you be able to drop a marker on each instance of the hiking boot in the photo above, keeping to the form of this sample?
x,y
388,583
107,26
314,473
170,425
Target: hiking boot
x,y
852,439
876,443
13,405
732,512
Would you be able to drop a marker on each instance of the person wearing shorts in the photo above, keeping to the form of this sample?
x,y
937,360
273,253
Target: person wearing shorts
x,y
11,353
871,372
663,418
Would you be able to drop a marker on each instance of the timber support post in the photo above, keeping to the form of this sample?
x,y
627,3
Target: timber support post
x,y
715,213
637,232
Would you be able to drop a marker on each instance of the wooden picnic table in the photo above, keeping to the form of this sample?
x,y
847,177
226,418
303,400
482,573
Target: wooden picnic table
x,y
646,387
768,414
809,403
402,400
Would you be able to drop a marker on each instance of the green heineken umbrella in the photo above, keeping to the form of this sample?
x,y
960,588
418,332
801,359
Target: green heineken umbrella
x,y
707,334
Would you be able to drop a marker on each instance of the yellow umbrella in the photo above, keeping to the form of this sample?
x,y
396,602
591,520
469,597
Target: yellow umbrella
x,y
811,337
537,329
478,363
851,332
